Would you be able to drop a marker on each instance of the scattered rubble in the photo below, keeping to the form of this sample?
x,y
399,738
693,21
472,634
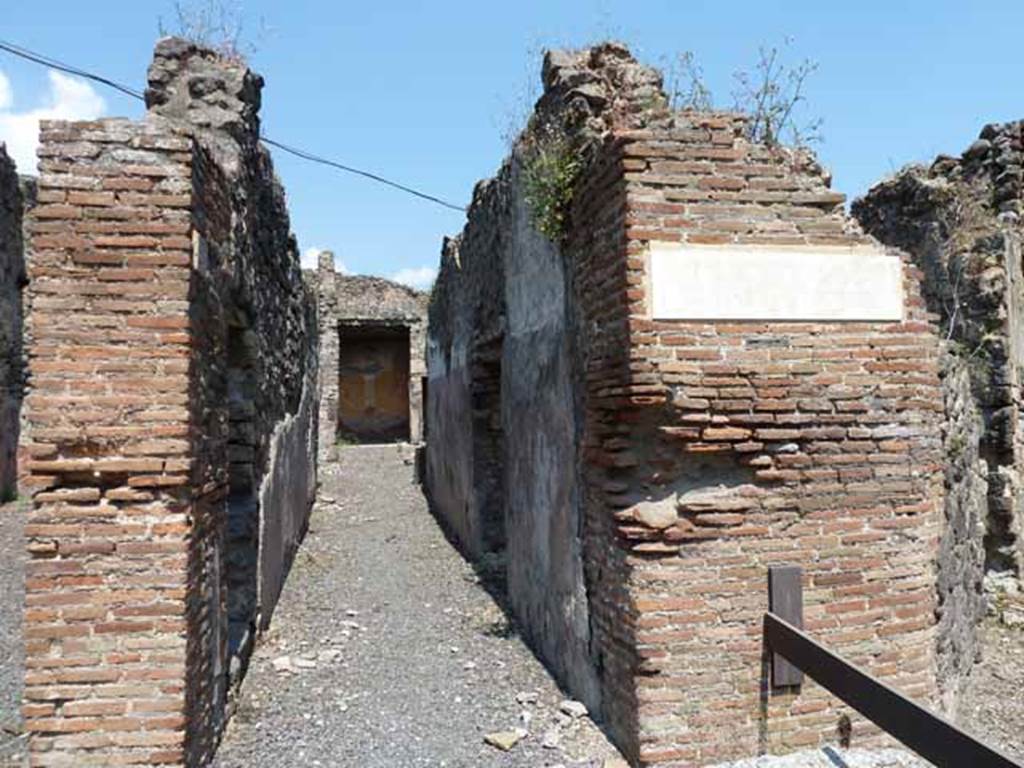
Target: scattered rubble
x,y
505,740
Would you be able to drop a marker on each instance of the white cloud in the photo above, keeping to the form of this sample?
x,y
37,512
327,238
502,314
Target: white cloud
x,y
416,277
67,99
6,97
311,256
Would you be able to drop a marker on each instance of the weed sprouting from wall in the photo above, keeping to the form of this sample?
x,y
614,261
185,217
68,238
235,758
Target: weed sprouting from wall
x,y
215,24
773,93
551,168
687,88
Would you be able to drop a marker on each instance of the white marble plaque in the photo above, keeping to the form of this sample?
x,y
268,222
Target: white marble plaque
x,y
748,282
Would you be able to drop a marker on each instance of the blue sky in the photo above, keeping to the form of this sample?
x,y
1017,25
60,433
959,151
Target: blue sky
x,y
425,92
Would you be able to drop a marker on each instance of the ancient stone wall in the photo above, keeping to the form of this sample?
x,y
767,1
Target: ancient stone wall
x,y
502,458
960,220
362,308
673,462
172,414
12,280
453,325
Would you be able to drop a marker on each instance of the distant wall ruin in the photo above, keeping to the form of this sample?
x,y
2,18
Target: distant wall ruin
x,y
960,220
371,358
173,417
638,473
12,281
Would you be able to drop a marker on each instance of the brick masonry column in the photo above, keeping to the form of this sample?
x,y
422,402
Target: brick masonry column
x,y
417,370
107,536
327,312
739,445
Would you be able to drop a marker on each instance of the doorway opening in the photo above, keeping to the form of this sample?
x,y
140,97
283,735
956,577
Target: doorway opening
x,y
373,386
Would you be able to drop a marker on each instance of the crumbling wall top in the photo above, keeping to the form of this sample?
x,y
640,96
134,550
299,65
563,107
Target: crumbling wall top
x,y
189,82
368,297
598,87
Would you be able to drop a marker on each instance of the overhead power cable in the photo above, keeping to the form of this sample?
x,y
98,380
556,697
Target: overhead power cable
x,y
349,169
47,61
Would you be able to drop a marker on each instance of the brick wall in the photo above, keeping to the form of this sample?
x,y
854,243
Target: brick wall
x,y
105,619
172,420
706,452
812,444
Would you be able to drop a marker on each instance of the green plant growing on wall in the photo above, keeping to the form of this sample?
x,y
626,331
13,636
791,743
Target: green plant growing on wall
x,y
956,446
551,167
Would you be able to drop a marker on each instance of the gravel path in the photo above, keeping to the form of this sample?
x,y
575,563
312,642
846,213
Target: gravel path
x,y
12,599
387,651
993,707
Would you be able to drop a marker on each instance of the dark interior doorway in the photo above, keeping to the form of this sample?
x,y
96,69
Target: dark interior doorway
x,y
373,386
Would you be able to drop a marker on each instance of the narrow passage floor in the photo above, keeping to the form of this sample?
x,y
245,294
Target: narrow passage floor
x,y
386,650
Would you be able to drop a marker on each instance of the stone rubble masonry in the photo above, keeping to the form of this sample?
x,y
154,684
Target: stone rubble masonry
x,y
683,459
150,242
12,280
359,301
960,220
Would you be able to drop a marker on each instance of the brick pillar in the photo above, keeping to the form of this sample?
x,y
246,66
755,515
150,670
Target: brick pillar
x,y
417,370
741,444
327,303
107,578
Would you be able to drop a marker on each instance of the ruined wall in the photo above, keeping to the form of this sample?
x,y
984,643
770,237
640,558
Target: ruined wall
x,y
154,246
510,355
450,482
362,306
703,452
960,220
742,445
12,280
107,580
502,461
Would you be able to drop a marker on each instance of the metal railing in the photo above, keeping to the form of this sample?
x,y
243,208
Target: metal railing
x,y
926,733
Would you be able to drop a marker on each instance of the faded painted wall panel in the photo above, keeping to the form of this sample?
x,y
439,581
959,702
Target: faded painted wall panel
x,y
373,402
502,465
449,466
287,493
539,419
352,305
